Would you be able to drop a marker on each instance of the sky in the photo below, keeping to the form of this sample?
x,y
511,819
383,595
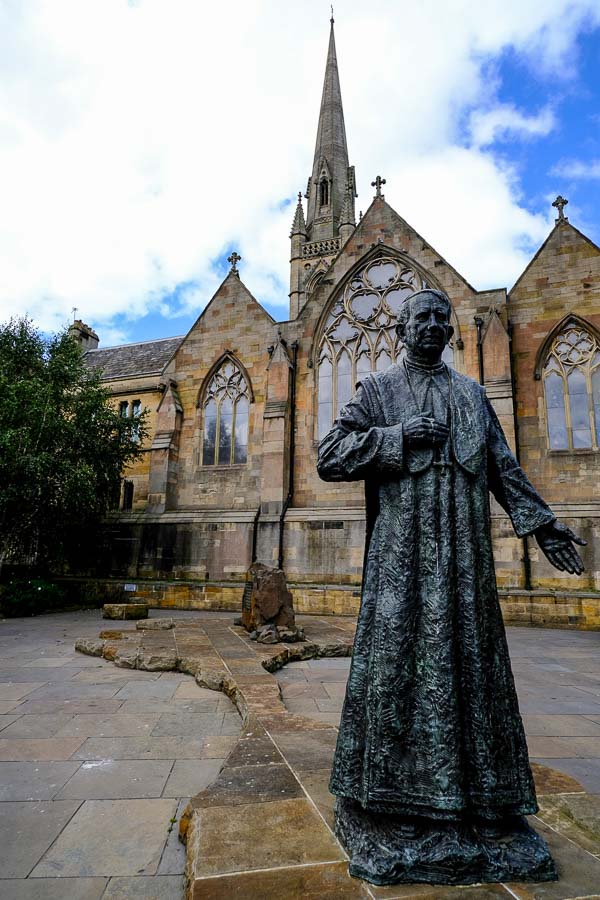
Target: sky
x,y
141,142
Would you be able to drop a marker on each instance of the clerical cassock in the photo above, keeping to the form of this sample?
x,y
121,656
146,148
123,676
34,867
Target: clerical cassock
x,y
430,729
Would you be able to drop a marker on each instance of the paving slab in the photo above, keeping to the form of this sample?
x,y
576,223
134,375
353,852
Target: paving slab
x,y
439,892
26,831
190,776
117,725
111,779
170,747
585,771
7,720
226,832
147,690
18,690
69,691
36,726
92,706
161,887
33,780
38,749
560,726
327,881
110,837
53,889
192,725
173,859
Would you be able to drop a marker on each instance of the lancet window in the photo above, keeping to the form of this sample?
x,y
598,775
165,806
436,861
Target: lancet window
x,y
360,332
571,377
225,414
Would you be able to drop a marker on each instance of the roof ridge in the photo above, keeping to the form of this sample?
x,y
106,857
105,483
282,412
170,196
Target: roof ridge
x,y
178,337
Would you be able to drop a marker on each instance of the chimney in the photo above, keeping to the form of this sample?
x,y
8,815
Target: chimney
x,y
84,335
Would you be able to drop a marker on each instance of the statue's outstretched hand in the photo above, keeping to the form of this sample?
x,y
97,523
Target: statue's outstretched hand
x,y
425,431
556,542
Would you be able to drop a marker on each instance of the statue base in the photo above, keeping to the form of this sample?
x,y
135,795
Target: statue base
x,y
393,849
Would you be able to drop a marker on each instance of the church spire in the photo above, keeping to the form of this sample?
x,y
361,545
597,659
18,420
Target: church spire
x,y
331,172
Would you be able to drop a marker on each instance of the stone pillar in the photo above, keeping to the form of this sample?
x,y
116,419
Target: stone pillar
x,y
276,430
164,452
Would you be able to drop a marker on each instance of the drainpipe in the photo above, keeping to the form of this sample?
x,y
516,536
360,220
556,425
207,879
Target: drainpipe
x,y
255,533
479,325
290,493
513,381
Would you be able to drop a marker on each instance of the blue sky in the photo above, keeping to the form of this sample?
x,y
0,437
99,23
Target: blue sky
x,y
141,142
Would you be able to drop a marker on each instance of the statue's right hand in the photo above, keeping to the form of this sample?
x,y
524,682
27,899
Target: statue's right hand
x,y
424,431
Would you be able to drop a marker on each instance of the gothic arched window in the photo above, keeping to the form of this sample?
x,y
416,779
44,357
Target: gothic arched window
x,y
225,408
571,376
360,332
324,192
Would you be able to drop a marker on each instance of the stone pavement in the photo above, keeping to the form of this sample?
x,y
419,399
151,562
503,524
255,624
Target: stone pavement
x,y
96,765
262,825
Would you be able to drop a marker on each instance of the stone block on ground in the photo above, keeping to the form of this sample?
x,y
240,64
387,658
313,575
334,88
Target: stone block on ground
x,y
269,616
125,611
156,625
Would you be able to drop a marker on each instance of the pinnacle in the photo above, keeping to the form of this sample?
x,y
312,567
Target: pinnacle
x,y
299,223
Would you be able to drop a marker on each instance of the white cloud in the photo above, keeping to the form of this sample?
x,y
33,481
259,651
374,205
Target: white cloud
x,y
577,169
138,142
505,121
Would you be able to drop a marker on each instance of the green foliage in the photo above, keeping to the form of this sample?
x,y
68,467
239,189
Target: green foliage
x,y
62,446
30,597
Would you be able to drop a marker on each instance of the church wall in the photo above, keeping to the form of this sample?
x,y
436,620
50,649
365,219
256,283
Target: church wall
x,y
147,390
380,224
324,537
563,279
233,322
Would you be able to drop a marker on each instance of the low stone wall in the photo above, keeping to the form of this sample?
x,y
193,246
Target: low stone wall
x,y
559,609
546,609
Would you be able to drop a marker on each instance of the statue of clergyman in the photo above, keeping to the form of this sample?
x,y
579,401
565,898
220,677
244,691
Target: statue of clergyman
x,y
431,769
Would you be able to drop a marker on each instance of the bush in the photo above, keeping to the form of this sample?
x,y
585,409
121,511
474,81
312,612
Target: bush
x,y
30,597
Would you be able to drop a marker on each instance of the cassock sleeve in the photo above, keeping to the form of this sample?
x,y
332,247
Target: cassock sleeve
x,y
509,484
355,447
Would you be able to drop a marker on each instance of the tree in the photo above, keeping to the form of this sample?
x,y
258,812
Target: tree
x,y
63,447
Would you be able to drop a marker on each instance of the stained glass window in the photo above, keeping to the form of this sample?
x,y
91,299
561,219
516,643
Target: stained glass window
x,y
225,407
360,333
571,377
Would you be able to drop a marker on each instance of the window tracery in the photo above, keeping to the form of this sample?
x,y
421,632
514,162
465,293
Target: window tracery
x,y
360,332
225,408
571,377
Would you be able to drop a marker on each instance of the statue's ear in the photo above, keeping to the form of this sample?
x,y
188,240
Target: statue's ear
x,y
450,332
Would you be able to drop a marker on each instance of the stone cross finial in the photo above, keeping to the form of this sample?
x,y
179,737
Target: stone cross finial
x,y
234,260
560,204
377,184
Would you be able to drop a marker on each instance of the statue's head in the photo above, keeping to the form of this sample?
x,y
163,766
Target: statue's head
x,y
424,324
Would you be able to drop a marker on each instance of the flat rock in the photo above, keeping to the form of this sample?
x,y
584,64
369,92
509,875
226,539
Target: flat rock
x,y
89,647
125,611
156,625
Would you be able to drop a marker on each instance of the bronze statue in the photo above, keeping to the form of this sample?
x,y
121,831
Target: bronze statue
x,y
431,769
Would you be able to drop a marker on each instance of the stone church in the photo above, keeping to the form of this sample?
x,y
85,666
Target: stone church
x,y
237,406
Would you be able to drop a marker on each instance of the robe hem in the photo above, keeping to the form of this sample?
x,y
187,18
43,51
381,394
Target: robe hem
x,y
415,806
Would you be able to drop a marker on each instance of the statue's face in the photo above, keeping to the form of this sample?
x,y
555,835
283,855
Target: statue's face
x,y
428,329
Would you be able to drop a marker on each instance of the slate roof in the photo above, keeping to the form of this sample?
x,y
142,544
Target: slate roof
x,y
145,358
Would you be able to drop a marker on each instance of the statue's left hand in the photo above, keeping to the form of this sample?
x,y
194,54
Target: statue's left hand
x,y
556,542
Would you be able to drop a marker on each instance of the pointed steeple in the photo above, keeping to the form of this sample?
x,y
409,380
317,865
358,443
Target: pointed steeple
x,y
327,184
299,223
